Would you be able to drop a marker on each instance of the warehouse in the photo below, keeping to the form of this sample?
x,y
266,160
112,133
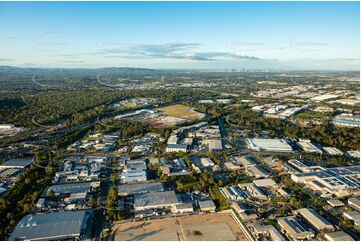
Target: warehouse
x,y
246,161
62,189
129,176
16,163
332,151
354,203
265,183
338,236
315,219
176,148
272,145
338,181
207,205
166,199
257,172
295,228
63,225
308,146
129,189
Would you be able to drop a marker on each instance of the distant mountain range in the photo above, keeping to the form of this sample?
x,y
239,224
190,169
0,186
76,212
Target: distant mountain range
x,y
107,70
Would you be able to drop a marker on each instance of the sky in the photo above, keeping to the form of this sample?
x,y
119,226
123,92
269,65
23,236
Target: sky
x,y
185,35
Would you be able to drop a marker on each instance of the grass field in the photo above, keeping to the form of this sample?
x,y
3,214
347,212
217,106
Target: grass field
x,y
215,226
313,115
181,111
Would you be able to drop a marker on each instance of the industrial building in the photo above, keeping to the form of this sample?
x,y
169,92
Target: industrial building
x,y
272,145
316,220
268,230
335,203
298,165
332,151
257,172
353,215
338,236
234,193
354,203
338,181
308,146
63,225
295,228
347,120
213,144
176,148
246,161
16,163
206,205
265,183
130,189
183,208
63,189
166,199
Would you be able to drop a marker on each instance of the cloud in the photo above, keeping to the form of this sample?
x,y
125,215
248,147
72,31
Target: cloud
x,y
70,61
246,57
185,51
6,59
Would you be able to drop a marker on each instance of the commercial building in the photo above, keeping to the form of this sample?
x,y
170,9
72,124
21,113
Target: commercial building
x,y
338,236
152,200
272,145
295,228
63,225
316,220
130,189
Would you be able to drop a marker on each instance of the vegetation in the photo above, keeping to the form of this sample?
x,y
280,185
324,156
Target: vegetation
x,y
324,134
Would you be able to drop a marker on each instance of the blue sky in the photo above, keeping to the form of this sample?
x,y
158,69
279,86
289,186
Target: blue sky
x,y
253,35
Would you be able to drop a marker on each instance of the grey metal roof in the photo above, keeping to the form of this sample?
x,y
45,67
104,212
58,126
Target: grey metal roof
x,y
18,162
140,188
155,199
71,188
51,226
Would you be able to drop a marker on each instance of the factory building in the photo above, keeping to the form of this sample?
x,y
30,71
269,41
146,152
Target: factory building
x,y
63,225
295,228
153,200
271,145
316,220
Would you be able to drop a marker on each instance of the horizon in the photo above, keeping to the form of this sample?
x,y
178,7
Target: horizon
x,y
272,36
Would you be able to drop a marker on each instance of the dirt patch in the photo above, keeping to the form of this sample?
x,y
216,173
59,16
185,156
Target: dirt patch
x,y
215,226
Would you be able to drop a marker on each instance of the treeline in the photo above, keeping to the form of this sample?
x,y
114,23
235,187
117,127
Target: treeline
x,y
329,135
23,195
